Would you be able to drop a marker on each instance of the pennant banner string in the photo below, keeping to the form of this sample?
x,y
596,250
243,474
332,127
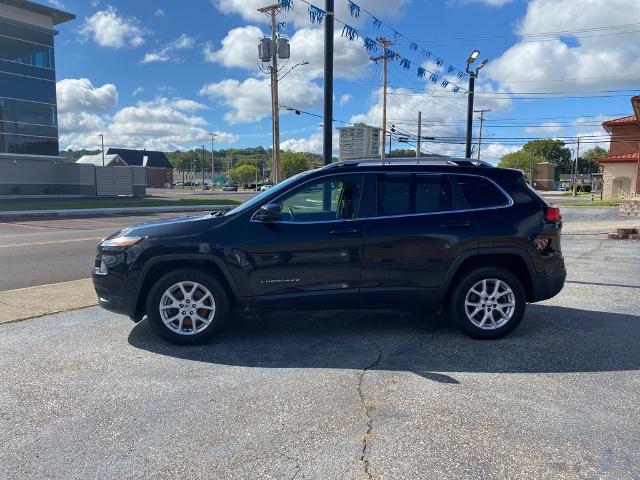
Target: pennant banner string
x,y
316,16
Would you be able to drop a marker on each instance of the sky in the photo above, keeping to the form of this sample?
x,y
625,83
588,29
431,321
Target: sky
x,y
163,74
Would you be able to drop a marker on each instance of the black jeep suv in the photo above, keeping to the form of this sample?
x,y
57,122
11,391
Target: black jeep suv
x,y
432,233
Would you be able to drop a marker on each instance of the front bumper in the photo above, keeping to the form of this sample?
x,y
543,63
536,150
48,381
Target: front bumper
x,y
111,302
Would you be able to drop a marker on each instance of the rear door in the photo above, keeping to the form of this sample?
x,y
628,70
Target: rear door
x,y
421,226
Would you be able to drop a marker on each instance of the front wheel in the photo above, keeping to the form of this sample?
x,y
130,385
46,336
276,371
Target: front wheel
x,y
187,307
488,302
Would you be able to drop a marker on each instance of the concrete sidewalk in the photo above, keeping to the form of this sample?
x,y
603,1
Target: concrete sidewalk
x,y
84,212
30,302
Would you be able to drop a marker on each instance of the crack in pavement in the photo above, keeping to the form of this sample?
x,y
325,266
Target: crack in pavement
x,y
368,409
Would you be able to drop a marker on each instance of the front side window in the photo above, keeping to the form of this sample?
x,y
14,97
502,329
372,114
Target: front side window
x,y
334,198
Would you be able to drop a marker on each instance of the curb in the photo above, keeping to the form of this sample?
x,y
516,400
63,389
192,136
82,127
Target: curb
x,y
83,212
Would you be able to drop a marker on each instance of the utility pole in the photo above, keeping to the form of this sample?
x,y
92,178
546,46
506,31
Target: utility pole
x,y
481,112
419,133
385,44
102,143
575,175
213,135
204,185
275,113
327,128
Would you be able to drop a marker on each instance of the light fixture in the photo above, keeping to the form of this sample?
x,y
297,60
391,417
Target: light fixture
x,y
473,56
484,62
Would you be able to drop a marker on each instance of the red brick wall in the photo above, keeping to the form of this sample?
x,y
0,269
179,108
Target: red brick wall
x,y
624,139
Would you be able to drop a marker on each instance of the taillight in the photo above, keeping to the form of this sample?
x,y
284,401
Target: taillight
x,y
552,214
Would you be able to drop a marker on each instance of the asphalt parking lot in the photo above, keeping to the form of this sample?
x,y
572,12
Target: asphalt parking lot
x,y
344,395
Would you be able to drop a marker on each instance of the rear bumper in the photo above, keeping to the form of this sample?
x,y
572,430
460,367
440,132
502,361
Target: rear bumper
x,y
548,286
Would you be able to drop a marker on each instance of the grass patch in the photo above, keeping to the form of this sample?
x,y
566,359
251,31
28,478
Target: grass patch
x,y
603,203
112,203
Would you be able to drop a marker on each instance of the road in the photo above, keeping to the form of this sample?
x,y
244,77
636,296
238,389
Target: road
x,y
340,395
43,251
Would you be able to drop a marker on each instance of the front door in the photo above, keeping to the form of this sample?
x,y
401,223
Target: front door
x,y
315,250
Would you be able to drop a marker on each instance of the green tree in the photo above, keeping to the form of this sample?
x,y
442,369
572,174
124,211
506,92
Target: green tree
x,y
292,163
244,174
552,151
522,160
587,162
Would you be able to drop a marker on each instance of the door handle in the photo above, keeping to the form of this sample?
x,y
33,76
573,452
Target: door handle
x,y
456,224
346,231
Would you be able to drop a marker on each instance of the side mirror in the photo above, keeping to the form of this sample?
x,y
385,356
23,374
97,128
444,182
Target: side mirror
x,y
269,213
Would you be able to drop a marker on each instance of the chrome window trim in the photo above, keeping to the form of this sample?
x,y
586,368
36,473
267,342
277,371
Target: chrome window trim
x,y
510,202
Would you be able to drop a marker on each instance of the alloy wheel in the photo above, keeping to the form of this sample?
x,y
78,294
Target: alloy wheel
x,y
490,304
187,308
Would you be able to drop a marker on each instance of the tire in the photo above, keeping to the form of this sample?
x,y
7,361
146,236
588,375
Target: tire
x,y
209,317
491,315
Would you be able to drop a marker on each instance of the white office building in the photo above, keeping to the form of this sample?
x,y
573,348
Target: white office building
x,y
359,141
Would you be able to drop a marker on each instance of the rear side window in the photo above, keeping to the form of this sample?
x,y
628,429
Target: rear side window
x,y
480,192
402,194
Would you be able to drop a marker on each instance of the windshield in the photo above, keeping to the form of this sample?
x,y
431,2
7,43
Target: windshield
x,y
279,188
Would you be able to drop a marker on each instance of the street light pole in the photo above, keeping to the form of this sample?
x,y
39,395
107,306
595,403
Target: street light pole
x,y
473,74
213,135
102,143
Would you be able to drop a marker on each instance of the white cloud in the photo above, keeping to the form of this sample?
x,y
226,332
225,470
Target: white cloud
x,y
139,90
546,127
575,61
248,10
491,3
443,114
344,99
239,48
159,13
79,94
57,4
250,99
493,152
183,42
162,123
110,30
311,144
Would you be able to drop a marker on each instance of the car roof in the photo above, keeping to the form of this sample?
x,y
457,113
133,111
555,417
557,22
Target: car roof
x,y
424,164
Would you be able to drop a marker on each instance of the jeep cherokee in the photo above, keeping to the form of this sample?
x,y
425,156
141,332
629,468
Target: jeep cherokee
x,y
446,235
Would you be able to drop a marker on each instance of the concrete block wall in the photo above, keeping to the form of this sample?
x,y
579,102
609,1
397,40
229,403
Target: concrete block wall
x,y
630,207
35,176
618,170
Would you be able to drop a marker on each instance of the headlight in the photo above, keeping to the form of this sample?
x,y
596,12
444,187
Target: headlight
x,y
120,242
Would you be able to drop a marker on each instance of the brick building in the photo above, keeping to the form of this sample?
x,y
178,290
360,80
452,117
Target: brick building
x,y
621,168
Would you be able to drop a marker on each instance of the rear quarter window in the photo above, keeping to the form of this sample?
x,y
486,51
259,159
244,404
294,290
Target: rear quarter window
x,y
480,192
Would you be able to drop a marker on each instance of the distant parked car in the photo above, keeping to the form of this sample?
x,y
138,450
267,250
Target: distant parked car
x,y
178,184
230,187
264,188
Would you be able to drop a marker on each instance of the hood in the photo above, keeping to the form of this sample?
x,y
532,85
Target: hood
x,y
171,227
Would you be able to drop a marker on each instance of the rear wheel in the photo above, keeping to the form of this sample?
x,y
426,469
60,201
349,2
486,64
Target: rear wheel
x,y
187,307
488,302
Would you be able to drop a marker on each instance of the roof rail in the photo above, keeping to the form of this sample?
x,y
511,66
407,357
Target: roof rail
x,y
461,162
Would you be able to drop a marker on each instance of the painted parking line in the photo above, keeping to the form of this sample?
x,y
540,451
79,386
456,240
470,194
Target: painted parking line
x,y
51,242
